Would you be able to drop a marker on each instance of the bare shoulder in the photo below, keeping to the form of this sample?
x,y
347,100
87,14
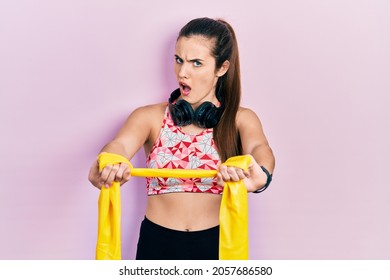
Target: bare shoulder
x,y
246,116
251,130
149,112
142,121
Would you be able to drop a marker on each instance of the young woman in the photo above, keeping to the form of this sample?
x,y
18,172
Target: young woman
x,y
201,126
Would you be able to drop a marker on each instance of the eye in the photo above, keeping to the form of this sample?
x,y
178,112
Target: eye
x,y
178,60
197,63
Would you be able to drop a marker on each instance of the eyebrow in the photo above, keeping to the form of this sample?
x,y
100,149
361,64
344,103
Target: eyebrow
x,y
191,60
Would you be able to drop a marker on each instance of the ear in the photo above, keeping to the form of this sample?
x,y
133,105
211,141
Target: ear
x,y
223,69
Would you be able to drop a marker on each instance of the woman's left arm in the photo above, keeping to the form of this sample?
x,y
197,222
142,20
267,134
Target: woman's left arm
x,y
254,143
253,139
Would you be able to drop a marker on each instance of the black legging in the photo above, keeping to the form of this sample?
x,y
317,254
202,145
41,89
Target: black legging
x,y
159,243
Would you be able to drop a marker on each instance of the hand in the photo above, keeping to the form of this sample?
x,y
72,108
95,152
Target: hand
x,y
117,172
254,178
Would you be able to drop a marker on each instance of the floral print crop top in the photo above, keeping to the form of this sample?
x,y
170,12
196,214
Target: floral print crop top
x,y
179,150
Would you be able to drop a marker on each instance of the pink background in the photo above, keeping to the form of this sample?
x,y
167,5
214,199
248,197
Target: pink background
x,y
316,72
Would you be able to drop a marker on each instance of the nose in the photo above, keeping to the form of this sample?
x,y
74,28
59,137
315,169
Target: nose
x,y
183,71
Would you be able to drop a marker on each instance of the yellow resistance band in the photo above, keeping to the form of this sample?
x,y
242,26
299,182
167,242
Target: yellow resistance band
x,y
233,219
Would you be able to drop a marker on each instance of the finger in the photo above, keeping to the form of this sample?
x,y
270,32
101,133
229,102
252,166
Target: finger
x,y
240,173
119,173
220,181
233,174
125,174
111,176
224,173
104,174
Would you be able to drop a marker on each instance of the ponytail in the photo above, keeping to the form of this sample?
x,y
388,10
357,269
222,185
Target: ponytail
x,y
226,135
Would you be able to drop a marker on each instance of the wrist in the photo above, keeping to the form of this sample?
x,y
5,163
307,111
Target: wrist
x,y
267,182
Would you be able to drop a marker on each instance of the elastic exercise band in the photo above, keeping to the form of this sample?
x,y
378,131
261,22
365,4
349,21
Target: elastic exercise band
x,y
233,219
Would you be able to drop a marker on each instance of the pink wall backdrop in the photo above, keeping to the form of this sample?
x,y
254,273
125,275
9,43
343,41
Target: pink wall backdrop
x,y
316,72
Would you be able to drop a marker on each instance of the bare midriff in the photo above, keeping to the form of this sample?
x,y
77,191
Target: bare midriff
x,y
184,211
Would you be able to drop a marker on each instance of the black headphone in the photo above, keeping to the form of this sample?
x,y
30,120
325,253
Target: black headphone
x,y
207,115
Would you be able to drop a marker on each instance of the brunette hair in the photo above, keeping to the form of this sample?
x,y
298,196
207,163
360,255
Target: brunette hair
x,y
228,88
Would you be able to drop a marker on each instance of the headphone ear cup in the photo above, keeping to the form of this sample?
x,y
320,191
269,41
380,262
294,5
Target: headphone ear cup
x,y
207,115
182,113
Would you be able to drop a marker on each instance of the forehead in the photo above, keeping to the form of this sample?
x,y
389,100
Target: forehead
x,y
194,46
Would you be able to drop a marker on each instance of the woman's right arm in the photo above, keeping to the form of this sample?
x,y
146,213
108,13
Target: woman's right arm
x,y
130,138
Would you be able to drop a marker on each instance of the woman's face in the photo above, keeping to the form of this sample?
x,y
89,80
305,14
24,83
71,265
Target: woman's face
x,y
195,70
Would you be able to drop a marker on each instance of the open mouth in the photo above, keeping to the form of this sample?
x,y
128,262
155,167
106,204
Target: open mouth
x,y
185,89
